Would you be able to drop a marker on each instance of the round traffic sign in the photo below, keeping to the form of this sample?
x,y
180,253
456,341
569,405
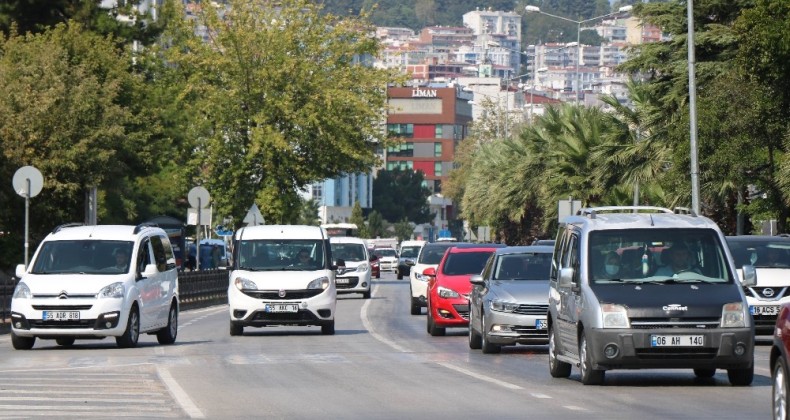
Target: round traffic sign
x,y
28,177
198,197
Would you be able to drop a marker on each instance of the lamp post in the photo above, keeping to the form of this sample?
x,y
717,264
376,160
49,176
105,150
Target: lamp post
x,y
536,9
695,206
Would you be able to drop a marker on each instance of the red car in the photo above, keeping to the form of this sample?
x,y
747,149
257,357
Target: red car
x,y
780,372
449,287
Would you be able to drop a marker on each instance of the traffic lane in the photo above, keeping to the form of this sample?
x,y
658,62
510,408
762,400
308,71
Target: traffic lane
x,y
652,391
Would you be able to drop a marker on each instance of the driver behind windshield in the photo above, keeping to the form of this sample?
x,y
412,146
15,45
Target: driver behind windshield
x,y
679,260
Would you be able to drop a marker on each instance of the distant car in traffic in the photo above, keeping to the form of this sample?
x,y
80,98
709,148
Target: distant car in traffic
x,y
429,256
388,258
449,286
509,300
407,255
375,267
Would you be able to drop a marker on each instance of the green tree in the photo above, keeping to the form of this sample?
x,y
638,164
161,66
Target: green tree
x,y
403,230
358,219
377,226
282,98
309,213
400,194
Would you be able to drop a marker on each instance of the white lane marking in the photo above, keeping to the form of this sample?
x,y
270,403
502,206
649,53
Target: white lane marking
x,y
178,394
574,408
536,395
369,326
209,312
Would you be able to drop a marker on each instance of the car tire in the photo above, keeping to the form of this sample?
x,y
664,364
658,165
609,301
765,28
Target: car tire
x,y
236,329
780,402
366,295
328,328
400,276
65,341
704,373
557,368
132,333
487,346
741,377
433,330
22,343
378,275
167,335
416,308
475,341
589,376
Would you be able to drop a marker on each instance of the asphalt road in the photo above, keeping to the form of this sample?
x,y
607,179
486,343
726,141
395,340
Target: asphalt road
x,y
380,364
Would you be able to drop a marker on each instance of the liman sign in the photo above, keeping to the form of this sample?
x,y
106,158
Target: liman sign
x,y
424,93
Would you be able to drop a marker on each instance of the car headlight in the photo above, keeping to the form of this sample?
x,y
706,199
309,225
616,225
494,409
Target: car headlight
x,y
115,290
363,267
447,293
614,316
733,315
503,306
22,292
245,284
421,277
319,283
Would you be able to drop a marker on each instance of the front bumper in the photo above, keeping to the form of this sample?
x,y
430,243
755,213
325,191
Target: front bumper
x,y
506,328
450,312
98,318
635,350
315,307
353,283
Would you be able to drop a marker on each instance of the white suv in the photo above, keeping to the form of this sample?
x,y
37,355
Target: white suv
x,y
354,277
96,282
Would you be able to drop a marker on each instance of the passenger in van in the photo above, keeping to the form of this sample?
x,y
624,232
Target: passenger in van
x,y
303,259
611,268
678,260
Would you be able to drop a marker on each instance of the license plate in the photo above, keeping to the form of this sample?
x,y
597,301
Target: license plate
x,y
342,281
764,310
60,315
541,324
677,340
281,307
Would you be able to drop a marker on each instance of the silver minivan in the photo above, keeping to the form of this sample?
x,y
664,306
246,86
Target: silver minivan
x,y
643,287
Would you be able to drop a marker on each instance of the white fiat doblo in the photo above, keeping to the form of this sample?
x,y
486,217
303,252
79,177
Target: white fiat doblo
x,y
282,275
642,287
88,282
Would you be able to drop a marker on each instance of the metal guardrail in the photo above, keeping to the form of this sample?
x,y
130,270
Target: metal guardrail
x,y
197,289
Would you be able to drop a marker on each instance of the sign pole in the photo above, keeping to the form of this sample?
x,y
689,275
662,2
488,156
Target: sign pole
x,y
27,220
197,234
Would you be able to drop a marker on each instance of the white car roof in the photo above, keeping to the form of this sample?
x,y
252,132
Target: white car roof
x,y
102,232
281,232
346,240
592,220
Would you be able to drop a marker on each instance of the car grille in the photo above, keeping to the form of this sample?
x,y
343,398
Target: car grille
x,y
667,323
352,282
764,321
300,316
62,307
289,294
463,311
766,293
528,332
669,353
57,295
75,324
532,309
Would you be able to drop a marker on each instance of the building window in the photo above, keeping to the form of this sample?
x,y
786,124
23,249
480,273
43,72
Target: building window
x,y
401,150
437,186
439,131
401,130
318,192
403,165
437,149
437,168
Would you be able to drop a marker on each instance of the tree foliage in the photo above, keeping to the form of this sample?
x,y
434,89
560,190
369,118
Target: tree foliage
x,y
400,194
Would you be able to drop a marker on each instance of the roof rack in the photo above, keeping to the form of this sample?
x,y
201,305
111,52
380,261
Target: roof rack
x,y
591,212
684,210
142,226
66,225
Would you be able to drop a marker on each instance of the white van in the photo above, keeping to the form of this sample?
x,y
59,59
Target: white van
x,y
354,277
88,282
282,275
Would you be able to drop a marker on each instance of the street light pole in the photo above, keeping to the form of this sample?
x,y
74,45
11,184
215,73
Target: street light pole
x,y
695,205
536,9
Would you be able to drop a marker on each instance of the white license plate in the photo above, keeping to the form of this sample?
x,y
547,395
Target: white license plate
x,y
342,281
60,315
764,310
281,307
677,340
541,324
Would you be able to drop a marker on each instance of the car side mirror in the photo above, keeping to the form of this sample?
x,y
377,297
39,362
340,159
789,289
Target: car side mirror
x,y
749,276
148,271
430,272
477,280
373,258
566,277
20,271
410,263
340,262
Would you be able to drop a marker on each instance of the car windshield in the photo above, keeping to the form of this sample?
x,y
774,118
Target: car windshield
x,y
83,257
409,251
658,256
463,263
349,252
527,266
281,255
385,252
432,254
760,252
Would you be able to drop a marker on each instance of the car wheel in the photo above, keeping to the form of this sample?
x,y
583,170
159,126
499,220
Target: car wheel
x,y
704,373
366,295
433,330
416,309
557,368
167,335
475,341
65,341
22,343
741,377
779,390
589,375
236,329
488,347
328,328
378,275
132,332
400,276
